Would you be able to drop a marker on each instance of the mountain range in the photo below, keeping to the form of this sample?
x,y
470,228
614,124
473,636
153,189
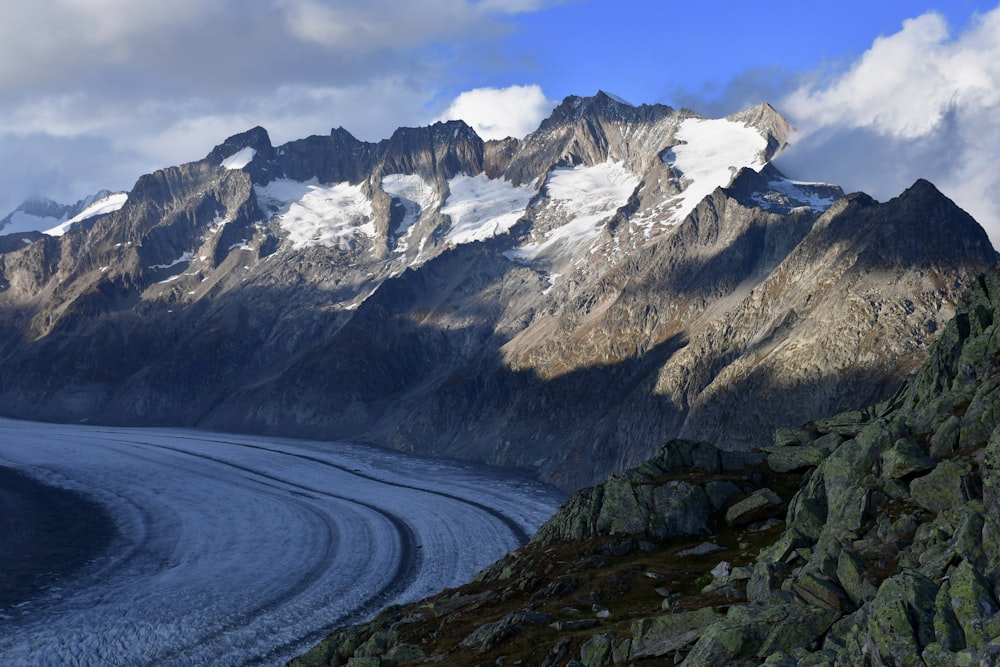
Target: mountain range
x,y
564,302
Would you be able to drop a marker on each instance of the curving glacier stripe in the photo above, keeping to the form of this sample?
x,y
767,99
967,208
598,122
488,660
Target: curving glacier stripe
x,y
239,550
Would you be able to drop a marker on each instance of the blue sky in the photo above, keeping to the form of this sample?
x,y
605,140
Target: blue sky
x,y
94,94
675,51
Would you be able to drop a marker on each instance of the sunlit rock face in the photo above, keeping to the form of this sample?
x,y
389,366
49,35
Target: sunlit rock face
x,y
564,302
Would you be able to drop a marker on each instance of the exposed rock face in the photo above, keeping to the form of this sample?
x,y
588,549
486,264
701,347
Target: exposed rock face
x,y
562,302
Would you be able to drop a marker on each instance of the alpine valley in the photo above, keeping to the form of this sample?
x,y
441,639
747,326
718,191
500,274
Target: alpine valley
x,y
562,303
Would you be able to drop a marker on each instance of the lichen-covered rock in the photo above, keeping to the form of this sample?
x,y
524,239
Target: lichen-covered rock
x,y
853,573
759,505
901,618
905,458
597,650
662,635
660,510
489,635
991,475
787,459
973,603
645,500
751,632
949,485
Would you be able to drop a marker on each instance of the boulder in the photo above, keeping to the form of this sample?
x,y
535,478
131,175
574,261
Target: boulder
x,y
759,505
949,485
905,458
901,618
663,635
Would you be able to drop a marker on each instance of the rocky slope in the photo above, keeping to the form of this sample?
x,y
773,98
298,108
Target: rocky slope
x,y
561,302
868,538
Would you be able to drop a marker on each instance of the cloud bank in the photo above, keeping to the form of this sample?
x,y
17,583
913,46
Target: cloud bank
x,y
918,103
112,89
498,113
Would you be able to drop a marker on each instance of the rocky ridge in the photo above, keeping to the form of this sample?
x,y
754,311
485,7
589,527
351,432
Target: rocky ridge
x,y
867,538
560,302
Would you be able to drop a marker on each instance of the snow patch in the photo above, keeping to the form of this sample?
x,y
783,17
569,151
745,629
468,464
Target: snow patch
x,y
185,257
586,196
481,207
239,159
315,214
817,196
710,154
109,204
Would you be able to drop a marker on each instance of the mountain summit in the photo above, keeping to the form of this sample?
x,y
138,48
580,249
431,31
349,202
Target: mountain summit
x,y
562,302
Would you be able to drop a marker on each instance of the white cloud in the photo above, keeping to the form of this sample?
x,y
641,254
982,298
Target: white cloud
x,y
155,84
497,113
918,103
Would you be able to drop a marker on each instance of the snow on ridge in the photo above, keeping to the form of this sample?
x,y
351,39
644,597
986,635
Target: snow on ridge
x,y
481,207
586,196
316,214
103,206
240,158
711,152
816,196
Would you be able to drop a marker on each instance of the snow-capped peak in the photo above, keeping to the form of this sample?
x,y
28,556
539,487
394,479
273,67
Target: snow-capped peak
x,y
44,215
709,154
107,204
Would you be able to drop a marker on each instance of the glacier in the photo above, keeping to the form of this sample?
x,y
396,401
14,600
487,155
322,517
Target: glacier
x,y
245,550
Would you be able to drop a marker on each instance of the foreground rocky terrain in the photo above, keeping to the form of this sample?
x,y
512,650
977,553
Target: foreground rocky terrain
x,y
563,302
867,538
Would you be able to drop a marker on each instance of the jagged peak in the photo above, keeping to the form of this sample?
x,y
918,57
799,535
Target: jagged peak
x,y
603,96
447,131
925,196
602,105
256,138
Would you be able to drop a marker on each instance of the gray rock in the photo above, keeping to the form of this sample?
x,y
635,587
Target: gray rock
x,y
901,618
759,505
703,549
949,485
487,636
905,458
662,635
787,459
597,650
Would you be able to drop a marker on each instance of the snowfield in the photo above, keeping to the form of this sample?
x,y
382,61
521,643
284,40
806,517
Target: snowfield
x,y
481,208
316,214
240,550
709,154
586,197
